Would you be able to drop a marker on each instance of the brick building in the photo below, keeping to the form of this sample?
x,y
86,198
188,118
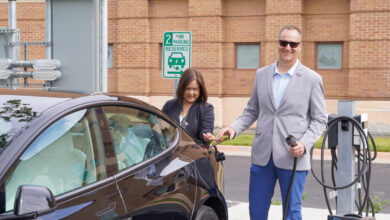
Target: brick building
x,y
346,41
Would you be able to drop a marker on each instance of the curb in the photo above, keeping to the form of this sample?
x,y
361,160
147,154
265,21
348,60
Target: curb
x,y
382,157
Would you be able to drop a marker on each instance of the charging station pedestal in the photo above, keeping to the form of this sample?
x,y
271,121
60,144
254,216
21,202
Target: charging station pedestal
x,y
345,162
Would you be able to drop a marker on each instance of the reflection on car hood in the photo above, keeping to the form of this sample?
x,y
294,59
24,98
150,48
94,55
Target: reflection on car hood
x,y
16,111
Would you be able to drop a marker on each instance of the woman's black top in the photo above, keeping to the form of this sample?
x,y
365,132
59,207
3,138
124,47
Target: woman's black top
x,y
199,119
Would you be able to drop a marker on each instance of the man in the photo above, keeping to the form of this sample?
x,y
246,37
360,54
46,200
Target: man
x,y
287,99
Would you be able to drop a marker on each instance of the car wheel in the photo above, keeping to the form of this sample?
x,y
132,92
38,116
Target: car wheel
x,y
206,213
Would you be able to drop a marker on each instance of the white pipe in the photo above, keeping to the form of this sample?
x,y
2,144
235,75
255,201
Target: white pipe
x,y
12,14
48,29
13,49
104,45
100,45
12,20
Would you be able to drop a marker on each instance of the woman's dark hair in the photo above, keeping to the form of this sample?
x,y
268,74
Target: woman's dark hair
x,y
186,78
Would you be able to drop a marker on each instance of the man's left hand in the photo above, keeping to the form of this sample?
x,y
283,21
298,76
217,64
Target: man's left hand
x,y
298,150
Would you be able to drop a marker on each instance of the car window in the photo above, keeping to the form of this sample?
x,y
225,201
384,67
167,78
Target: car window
x,y
66,156
137,135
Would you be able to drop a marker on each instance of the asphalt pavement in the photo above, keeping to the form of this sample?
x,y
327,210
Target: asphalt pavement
x,y
236,176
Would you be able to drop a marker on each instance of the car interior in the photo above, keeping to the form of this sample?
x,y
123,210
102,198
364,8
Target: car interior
x,y
60,167
129,148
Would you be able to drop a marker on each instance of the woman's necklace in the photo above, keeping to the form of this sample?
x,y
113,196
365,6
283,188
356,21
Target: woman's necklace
x,y
185,110
183,115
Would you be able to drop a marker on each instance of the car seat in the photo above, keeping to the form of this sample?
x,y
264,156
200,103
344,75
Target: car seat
x,y
83,142
129,148
58,166
154,146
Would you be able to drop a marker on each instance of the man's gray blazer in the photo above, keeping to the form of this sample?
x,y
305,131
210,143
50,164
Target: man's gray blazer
x,y
301,113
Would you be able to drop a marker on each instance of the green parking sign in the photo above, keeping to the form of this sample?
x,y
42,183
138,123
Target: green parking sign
x,y
176,53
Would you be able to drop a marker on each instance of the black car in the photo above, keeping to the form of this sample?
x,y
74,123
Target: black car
x,y
100,156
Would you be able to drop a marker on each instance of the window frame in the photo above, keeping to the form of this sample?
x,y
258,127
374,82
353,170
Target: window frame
x,y
160,55
112,56
236,44
329,43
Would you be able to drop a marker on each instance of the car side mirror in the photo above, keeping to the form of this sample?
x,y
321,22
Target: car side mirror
x,y
33,199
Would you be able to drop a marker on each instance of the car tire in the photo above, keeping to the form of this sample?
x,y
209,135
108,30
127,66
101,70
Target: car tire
x,y
206,213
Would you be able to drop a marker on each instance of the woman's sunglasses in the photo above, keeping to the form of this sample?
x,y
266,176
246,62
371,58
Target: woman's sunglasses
x,y
284,43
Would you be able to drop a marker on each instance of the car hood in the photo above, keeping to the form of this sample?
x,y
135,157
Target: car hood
x,y
16,111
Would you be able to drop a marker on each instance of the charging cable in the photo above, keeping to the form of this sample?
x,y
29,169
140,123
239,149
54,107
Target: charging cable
x,y
291,141
363,175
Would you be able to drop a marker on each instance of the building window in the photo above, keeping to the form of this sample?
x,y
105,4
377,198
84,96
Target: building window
x,y
160,55
248,56
329,55
109,56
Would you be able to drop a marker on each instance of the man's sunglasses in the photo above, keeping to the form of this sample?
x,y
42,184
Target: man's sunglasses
x,y
284,43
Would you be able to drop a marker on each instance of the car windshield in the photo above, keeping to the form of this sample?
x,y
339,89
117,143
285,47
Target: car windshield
x,y
17,111
52,134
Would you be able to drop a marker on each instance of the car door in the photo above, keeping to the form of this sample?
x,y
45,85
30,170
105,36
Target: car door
x,y
155,180
70,159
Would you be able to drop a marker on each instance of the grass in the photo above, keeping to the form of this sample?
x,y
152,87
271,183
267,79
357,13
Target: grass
x,y
382,143
378,204
240,140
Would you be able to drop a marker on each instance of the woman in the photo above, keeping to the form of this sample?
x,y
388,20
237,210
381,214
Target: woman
x,y
190,109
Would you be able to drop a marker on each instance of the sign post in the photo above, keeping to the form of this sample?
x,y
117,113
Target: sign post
x,y
176,55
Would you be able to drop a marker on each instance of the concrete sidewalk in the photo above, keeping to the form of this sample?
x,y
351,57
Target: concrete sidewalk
x,y
240,211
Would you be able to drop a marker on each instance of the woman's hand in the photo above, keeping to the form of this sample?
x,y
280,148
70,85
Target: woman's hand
x,y
208,137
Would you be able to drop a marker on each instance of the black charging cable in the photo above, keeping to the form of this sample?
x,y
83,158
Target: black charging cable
x,y
291,141
364,160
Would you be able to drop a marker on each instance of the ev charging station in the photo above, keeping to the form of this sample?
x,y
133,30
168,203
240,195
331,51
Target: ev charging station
x,y
347,139
75,48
